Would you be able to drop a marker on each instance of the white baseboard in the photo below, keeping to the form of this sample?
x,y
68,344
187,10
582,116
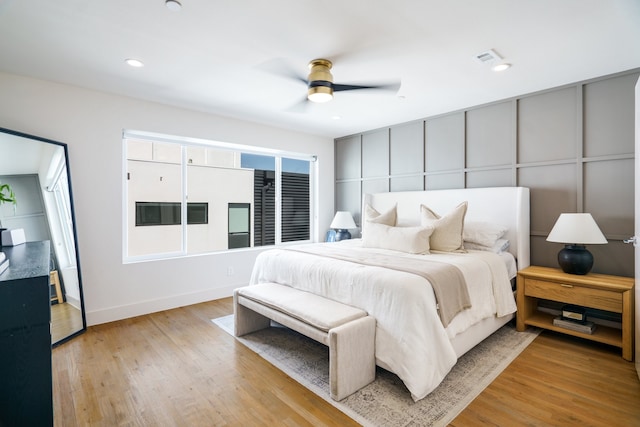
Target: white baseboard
x,y
72,301
112,314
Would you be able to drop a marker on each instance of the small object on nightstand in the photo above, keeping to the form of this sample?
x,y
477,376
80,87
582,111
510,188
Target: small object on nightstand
x,y
576,230
331,236
13,237
574,313
584,327
342,222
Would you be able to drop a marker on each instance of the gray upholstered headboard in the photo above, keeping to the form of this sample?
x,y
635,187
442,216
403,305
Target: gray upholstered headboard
x,y
508,206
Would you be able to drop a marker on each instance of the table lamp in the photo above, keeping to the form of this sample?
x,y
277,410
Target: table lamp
x,y
341,223
576,230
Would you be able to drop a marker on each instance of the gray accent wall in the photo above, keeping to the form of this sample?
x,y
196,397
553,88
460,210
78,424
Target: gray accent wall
x,y
573,146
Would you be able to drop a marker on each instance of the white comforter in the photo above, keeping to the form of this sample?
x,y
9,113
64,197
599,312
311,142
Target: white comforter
x,y
410,338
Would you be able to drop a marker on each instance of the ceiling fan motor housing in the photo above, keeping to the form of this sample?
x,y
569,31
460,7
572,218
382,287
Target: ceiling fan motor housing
x,y
320,81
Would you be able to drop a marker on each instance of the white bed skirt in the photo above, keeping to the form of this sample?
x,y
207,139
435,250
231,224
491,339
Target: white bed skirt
x,y
468,339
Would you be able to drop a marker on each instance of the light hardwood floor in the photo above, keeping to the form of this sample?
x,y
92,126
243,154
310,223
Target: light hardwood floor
x,y
65,321
175,368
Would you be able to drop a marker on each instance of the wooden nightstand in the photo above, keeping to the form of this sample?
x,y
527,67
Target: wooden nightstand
x,y
600,291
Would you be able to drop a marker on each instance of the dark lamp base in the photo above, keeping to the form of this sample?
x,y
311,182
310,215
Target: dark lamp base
x,y
575,259
342,235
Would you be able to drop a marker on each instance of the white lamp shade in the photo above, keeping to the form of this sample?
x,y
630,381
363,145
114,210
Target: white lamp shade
x,y
342,221
576,228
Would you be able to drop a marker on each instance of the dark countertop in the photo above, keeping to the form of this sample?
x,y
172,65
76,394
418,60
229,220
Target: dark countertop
x,y
30,259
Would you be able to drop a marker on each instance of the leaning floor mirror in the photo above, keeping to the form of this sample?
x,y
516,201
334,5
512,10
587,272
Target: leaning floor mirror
x,y
36,172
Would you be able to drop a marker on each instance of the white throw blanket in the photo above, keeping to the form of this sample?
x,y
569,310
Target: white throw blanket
x,y
410,338
447,281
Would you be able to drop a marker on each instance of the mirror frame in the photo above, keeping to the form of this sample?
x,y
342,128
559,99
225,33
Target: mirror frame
x,y
73,224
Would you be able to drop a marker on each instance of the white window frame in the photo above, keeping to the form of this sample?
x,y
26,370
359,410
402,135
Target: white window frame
x,y
188,141
59,188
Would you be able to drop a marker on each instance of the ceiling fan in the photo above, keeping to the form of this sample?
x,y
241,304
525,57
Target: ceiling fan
x,y
319,82
320,86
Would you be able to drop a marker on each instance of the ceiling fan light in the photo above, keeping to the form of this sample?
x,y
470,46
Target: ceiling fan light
x,y
320,94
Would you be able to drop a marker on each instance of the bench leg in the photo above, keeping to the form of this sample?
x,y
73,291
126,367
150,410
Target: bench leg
x,y
352,363
246,320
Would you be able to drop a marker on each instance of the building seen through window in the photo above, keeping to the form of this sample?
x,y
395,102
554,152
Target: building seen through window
x,y
184,198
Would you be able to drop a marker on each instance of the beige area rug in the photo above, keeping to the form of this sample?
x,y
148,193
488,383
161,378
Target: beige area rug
x,y
386,401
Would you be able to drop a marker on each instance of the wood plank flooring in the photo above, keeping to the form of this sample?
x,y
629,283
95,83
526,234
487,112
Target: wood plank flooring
x,y
560,381
175,368
65,320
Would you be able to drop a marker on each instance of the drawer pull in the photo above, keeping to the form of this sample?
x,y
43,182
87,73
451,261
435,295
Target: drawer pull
x,y
566,286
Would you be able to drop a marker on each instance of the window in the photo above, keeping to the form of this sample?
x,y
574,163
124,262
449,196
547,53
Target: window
x,y
239,225
295,195
197,213
60,190
167,213
157,213
231,196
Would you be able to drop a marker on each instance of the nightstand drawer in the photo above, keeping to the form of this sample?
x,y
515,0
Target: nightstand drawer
x,y
574,294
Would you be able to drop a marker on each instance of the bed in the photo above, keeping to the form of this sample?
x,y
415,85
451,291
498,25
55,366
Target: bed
x,y
414,339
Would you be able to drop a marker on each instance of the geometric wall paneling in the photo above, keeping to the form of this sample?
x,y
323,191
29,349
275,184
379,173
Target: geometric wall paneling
x,y
348,198
608,116
407,183
608,196
573,147
375,154
547,126
370,186
613,258
444,141
348,149
545,253
490,178
444,181
489,136
407,149
29,213
31,203
553,190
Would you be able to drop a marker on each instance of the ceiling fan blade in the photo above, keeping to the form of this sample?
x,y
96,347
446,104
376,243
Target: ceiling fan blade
x,y
299,107
281,68
391,86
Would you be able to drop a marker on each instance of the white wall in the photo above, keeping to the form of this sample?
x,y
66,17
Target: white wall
x,y
91,123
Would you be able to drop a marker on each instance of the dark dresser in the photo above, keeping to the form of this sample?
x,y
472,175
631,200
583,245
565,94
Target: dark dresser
x,y
26,397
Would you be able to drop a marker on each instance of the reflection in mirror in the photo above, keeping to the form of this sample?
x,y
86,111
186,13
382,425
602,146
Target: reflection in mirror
x,y
36,169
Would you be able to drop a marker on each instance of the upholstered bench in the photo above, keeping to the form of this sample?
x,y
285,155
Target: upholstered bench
x,y
349,332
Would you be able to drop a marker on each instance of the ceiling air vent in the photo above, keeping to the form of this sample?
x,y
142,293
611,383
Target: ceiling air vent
x,y
488,57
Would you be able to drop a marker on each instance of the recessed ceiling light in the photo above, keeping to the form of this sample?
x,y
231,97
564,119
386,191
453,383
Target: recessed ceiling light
x,y
501,67
336,117
134,62
173,5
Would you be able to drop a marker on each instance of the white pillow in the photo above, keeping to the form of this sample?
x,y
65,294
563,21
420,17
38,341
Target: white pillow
x,y
387,218
413,240
447,236
500,246
372,216
483,233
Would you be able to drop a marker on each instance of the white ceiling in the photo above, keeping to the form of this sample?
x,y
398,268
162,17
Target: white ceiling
x,y
21,155
220,56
